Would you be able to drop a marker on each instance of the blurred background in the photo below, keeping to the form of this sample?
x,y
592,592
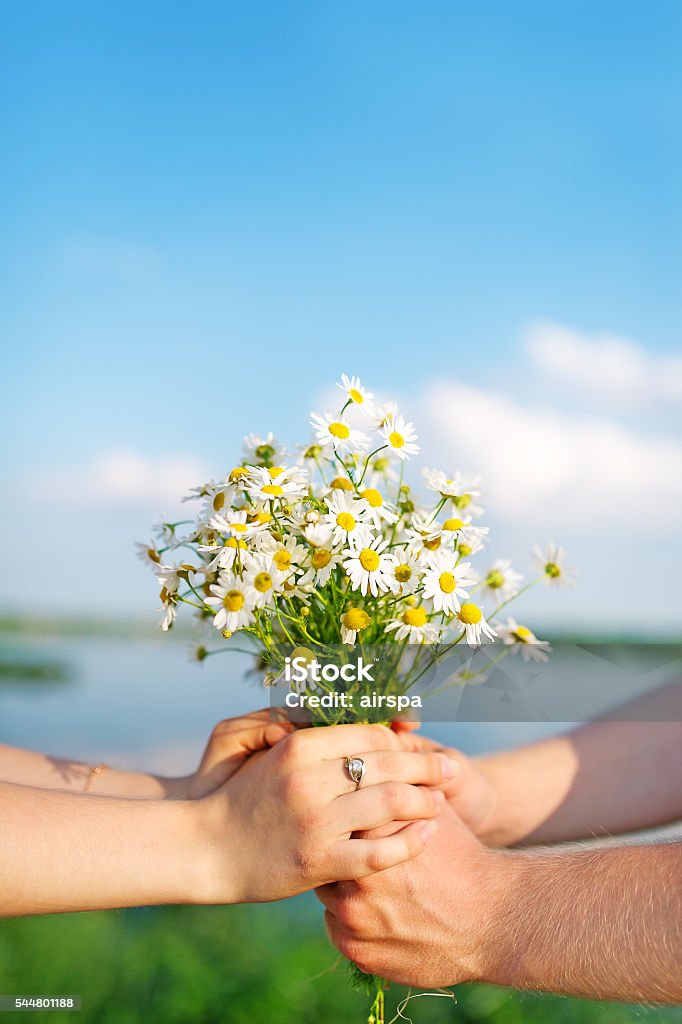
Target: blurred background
x,y
211,211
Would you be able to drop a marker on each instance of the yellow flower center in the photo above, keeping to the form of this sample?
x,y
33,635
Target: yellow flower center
x,y
233,601
414,617
321,557
372,497
340,430
232,542
446,582
432,545
369,559
239,527
552,570
395,439
462,500
346,521
262,517
402,572
237,473
153,555
523,634
313,452
381,465
355,396
494,579
469,614
218,501
263,582
453,524
356,619
264,452
273,489
464,550
282,559
340,483
275,471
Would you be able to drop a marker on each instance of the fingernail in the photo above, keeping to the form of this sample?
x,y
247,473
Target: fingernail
x,y
448,766
428,830
438,796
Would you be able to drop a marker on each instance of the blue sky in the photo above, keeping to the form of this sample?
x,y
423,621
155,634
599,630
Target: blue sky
x,y
211,210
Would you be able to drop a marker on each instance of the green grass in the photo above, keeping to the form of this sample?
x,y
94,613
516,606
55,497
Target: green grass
x,y
237,965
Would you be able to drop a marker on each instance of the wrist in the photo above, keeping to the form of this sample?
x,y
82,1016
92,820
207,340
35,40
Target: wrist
x,y
497,906
215,876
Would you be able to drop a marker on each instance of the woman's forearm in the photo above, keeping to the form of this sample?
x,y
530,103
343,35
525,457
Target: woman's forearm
x,y
30,768
61,852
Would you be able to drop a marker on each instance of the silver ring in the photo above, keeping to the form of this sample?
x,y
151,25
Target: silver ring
x,y
356,769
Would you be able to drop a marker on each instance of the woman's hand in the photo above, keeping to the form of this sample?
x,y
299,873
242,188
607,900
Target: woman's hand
x,y
283,823
232,741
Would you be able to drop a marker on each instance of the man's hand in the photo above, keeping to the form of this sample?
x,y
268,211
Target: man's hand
x,y
601,923
425,922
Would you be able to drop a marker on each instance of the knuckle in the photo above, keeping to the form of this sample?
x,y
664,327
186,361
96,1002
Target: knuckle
x,y
307,862
377,859
396,796
295,788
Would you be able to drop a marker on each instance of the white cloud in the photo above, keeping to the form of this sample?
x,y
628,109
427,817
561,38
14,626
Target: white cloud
x,y
540,465
608,366
119,476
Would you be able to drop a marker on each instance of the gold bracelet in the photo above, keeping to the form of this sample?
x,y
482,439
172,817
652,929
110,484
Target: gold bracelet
x,y
96,769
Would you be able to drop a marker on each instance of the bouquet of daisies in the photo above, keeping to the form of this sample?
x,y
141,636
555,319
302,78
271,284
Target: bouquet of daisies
x,y
330,549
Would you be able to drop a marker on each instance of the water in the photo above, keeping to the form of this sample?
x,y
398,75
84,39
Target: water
x,y
144,704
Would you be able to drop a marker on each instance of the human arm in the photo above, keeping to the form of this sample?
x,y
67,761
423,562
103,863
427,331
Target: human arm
x,y
278,826
230,743
605,777
602,923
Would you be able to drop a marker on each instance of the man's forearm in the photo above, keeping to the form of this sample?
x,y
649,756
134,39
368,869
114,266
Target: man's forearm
x,y
61,852
605,777
603,924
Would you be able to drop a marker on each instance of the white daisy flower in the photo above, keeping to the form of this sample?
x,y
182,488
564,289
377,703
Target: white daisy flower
x,y
353,621
421,536
318,535
474,625
501,581
148,554
234,524
323,561
381,470
551,565
403,575
455,530
335,431
379,510
400,436
170,612
465,550
520,638
445,580
168,578
287,554
262,579
354,391
383,414
262,450
347,517
231,602
265,484
413,625
462,488
368,567
224,555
